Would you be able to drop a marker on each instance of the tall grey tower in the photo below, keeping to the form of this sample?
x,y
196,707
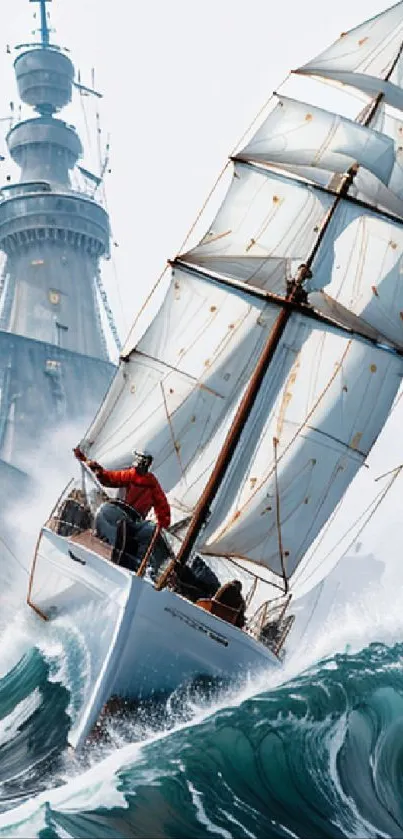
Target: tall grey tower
x,y
54,365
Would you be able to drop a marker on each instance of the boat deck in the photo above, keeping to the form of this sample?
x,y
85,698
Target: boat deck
x,y
88,540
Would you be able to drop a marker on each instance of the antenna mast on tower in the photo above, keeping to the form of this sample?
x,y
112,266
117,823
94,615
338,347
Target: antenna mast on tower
x,y
44,21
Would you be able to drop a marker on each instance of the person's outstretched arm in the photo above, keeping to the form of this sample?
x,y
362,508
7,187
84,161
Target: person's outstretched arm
x,y
161,505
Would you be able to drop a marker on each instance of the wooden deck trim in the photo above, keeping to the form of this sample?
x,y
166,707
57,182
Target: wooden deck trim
x,y
88,540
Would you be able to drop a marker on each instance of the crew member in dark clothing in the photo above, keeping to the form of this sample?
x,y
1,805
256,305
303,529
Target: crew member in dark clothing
x,y
143,492
230,595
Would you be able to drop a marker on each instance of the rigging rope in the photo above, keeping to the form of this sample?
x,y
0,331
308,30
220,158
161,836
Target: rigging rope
x,y
278,517
107,310
205,202
252,573
308,623
7,547
338,368
375,503
175,443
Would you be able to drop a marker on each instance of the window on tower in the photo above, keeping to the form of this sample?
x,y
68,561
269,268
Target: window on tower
x,y
54,296
52,367
61,331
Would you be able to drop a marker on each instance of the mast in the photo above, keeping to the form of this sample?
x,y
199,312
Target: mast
x,y
296,295
44,30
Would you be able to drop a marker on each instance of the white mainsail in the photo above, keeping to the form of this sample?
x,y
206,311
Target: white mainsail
x,y
333,377
325,420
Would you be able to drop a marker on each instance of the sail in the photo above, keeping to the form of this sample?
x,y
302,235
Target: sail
x,y
299,134
176,391
361,267
368,187
330,385
325,420
392,127
359,264
265,227
365,57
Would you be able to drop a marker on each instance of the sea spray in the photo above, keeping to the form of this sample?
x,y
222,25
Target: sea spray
x,y
270,763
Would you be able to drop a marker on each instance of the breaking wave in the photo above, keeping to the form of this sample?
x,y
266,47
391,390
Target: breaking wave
x,y
319,755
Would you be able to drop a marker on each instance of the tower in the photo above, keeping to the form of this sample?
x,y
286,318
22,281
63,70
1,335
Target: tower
x,y
54,364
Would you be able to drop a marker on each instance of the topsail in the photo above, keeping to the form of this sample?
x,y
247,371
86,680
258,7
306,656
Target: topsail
x,y
368,57
298,134
303,261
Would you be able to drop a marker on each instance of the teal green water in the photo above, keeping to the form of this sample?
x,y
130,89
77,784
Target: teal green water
x,y
319,756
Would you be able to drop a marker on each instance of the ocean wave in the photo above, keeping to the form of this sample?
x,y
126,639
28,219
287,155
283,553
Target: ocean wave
x,y
317,756
33,726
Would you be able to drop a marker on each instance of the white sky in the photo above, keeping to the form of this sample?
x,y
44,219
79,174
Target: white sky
x,y
181,82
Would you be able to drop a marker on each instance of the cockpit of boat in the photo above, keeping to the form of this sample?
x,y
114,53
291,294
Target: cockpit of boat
x,y
75,518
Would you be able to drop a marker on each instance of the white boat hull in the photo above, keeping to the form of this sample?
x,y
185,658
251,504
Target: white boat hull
x,y
138,641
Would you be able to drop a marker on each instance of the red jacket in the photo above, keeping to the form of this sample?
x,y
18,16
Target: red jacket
x,y
143,491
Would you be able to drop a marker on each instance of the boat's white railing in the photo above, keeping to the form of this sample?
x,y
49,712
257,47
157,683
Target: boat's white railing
x,y
54,522
270,624
75,509
62,520
30,602
72,514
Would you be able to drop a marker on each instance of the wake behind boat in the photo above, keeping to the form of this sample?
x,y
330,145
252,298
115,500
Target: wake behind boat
x,y
258,394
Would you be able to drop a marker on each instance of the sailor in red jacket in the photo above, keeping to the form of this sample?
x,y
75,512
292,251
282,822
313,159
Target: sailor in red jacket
x,y
143,489
143,492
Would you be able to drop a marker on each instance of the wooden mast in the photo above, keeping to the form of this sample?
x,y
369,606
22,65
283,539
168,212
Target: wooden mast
x,y
295,294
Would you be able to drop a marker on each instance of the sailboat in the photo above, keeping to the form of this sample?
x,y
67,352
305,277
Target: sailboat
x,y
259,387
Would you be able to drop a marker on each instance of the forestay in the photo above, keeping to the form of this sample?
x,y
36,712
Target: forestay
x,y
364,56
298,134
325,420
176,391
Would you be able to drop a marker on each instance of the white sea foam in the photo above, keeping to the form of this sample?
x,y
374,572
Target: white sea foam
x,y
20,823
10,725
334,626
